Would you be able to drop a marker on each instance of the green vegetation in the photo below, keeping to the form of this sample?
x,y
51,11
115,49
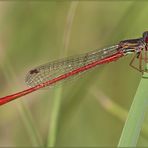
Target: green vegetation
x,y
33,33
133,125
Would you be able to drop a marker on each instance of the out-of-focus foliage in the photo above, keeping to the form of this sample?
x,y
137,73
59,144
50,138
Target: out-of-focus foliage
x,y
33,33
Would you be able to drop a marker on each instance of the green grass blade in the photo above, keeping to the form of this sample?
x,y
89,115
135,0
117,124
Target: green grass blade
x,y
54,118
51,141
30,125
115,109
133,124
25,115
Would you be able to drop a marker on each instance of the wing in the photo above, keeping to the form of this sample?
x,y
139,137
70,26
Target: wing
x,y
51,70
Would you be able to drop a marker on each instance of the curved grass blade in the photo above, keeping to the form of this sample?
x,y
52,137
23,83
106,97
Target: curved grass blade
x,y
133,124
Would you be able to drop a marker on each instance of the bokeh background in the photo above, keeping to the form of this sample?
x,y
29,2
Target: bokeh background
x,y
88,111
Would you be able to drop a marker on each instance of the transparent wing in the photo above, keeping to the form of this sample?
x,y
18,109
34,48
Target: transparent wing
x,y
51,70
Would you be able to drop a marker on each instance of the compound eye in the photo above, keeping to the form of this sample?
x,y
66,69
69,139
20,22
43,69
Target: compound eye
x,y
145,37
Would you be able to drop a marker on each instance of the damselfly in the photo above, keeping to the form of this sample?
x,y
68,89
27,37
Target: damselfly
x,y
60,70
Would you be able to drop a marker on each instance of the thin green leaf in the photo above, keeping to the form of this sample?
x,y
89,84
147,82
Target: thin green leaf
x,y
133,124
57,99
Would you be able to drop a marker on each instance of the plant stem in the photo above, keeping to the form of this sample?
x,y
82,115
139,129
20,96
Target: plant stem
x,y
57,99
115,109
54,118
25,114
133,124
29,124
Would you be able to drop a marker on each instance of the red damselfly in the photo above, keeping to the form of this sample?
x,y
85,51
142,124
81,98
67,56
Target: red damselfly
x,y
57,71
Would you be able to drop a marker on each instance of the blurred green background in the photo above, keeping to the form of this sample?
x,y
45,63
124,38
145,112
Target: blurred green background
x,y
89,111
